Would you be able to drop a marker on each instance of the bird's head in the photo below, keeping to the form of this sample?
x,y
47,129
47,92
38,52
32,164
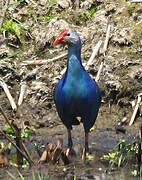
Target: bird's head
x,y
67,36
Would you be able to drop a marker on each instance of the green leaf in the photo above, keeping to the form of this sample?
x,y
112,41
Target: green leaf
x,y
40,176
74,178
33,174
64,169
51,3
9,130
21,176
13,26
120,160
92,11
135,173
26,133
90,157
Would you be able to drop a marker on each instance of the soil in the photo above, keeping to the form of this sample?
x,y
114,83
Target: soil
x,y
120,80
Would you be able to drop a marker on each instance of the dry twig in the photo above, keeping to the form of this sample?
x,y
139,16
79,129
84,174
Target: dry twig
x,y
22,92
6,118
104,51
40,62
99,71
94,54
27,153
136,109
7,92
107,39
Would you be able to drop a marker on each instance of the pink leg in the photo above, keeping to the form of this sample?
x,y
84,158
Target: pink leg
x,y
69,143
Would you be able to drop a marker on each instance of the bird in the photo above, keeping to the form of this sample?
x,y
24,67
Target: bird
x,y
76,94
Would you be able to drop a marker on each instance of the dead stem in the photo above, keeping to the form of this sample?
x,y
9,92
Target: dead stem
x,y
136,109
104,52
94,53
7,92
40,62
22,92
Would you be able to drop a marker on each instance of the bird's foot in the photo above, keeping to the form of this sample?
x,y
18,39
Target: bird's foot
x,y
86,154
68,152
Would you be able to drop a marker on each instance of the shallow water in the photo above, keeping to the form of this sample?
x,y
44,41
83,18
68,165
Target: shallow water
x,y
101,141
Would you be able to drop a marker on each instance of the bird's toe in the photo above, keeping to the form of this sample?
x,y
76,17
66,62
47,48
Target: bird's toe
x,y
68,152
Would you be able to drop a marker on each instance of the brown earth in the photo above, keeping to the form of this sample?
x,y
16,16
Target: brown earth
x,y
120,80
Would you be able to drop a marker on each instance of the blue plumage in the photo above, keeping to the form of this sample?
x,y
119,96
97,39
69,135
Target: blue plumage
x,y
76,94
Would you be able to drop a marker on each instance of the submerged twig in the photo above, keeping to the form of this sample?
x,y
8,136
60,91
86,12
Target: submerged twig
x,y
136,109
52,154
40,62
94,53
27,153
57,151
138,154
7,92
9,139
18,140
22,92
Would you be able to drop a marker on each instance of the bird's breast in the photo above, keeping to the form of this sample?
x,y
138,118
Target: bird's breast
x,y
74,88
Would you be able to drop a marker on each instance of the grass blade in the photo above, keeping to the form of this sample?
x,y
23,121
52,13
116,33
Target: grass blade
x,y
11,175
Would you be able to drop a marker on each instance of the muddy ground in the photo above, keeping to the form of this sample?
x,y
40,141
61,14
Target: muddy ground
x,y
120,80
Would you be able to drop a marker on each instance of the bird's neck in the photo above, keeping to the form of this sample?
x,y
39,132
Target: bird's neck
x,y
75,51
74,65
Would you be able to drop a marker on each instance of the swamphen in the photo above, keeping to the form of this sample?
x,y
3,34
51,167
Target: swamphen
x,y
76,94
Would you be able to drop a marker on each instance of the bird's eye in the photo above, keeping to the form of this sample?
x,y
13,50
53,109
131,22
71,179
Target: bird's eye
x,y
68,34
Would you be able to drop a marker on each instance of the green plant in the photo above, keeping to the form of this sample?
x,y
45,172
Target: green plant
x,y
122,151
46,18
115,158
90,157
13,26
131,8
24,134
85,56
74,178
135,173
51,3
30,7
92,11
5,55
5,146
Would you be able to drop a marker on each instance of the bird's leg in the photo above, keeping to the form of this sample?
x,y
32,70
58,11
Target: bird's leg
x,y
86,145
69,143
